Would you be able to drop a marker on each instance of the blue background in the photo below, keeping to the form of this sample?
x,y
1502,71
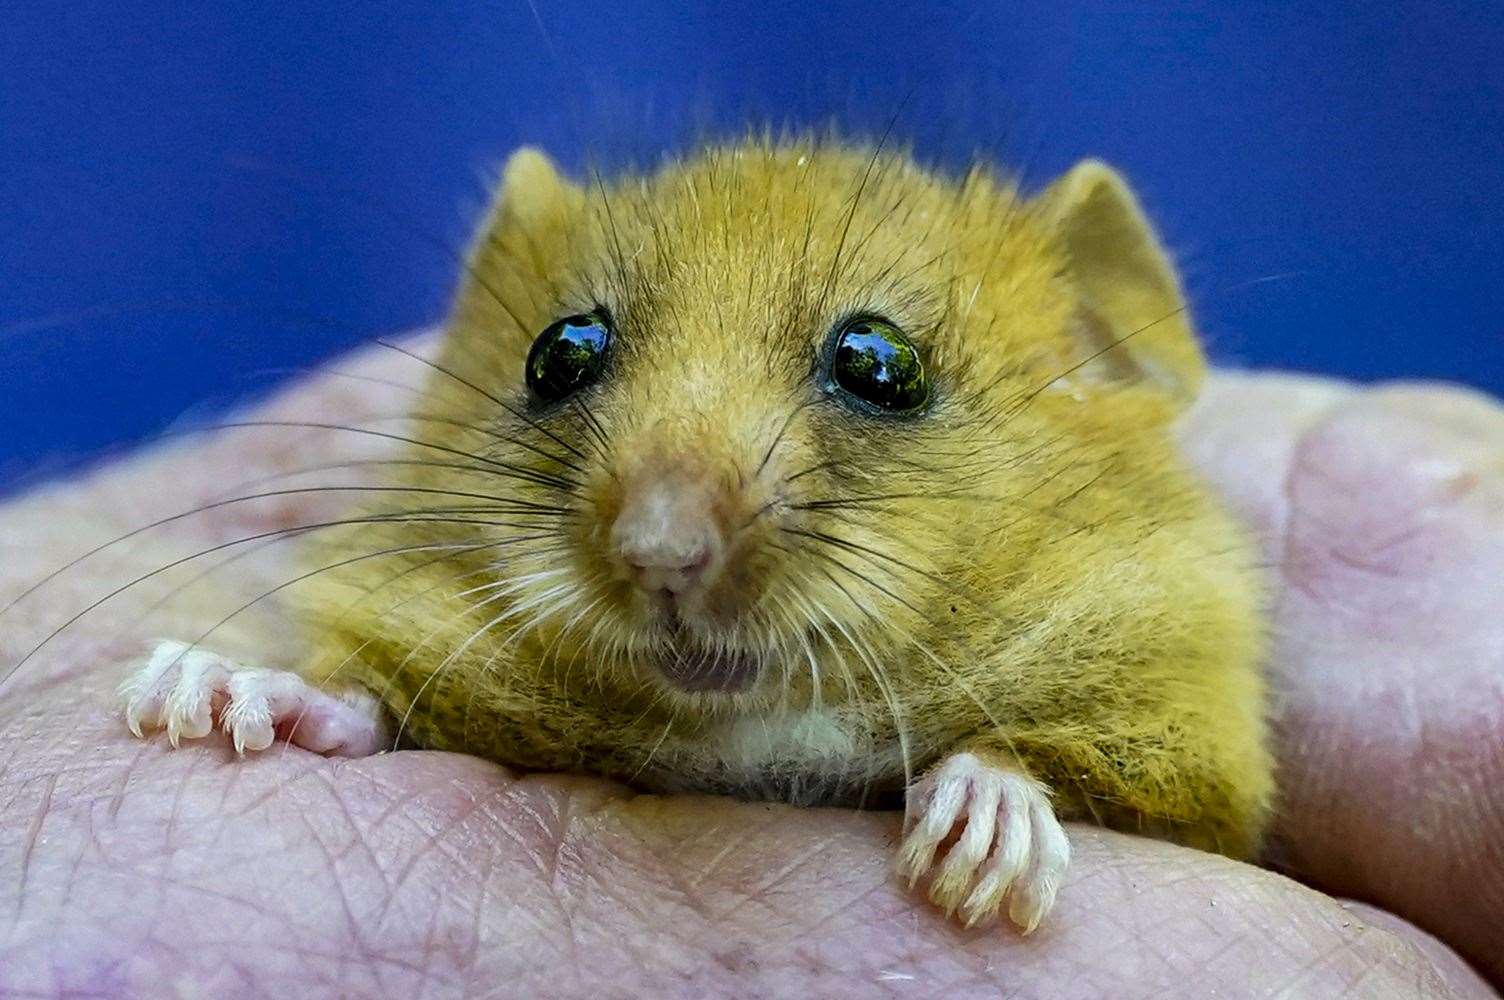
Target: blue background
x,y
185,188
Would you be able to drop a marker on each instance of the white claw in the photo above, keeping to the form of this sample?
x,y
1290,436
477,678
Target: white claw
x,y
1010,846
189,709
189,691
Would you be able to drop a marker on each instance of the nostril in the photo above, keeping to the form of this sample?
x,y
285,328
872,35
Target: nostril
x,y
665,571
683,564
695,563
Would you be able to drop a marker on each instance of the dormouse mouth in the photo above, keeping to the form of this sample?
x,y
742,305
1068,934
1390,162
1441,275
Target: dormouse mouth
x,y
690,666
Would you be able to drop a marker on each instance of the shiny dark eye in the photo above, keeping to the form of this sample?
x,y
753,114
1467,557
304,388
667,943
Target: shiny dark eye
x,y
873,362
568,356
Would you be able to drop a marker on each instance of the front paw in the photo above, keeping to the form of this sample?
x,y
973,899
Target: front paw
x,y
1008,845
190,691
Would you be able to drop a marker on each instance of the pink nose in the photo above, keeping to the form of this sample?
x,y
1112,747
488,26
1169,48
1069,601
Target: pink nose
x,y
671,571
667,534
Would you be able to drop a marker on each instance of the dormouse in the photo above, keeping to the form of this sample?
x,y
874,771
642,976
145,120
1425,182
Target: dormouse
x,y
794,470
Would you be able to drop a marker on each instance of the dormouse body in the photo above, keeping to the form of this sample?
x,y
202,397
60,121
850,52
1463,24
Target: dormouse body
x,y
794,470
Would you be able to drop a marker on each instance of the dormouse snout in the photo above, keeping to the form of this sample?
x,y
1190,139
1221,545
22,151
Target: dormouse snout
x,y
667,534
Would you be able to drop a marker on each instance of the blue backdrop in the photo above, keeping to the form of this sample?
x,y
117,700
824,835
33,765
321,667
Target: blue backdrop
x,y
183,185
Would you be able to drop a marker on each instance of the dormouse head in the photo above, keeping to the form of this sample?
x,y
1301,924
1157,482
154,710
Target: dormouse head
x,y
784,414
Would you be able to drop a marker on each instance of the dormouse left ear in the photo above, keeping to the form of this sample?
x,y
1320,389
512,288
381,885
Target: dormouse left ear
x,y
532,212
534,195
1133,321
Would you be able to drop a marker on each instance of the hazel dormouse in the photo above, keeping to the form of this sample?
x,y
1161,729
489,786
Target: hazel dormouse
x,y
793,470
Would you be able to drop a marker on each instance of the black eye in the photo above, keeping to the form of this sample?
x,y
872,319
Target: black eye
x,y
568,356
875,363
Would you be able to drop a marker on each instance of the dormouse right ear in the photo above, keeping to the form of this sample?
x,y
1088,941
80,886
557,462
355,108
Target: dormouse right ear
x,y
535,201
1132,322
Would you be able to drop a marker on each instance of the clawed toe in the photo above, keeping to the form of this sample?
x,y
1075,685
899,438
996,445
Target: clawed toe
x,y
190,691
1008,846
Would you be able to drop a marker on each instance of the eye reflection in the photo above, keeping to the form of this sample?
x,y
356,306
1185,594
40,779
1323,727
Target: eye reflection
x,y
568,356
874,362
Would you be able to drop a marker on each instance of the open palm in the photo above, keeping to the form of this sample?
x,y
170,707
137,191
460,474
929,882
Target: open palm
x,y
129,870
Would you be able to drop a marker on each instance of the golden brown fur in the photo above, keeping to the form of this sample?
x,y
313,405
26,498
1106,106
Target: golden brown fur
x,y
1027,569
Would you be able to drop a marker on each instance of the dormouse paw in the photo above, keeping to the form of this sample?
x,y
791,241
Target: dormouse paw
x,y
190,691
1008,843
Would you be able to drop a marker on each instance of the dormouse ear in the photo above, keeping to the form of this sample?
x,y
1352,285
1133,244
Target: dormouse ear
x,y
534,198
1127,285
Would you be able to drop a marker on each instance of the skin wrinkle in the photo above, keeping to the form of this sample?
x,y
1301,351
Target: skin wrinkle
x,y
562,901
827,920
335,953
311,769
431,841
1419,516
714,864
885,909
1296,985
761,890
1447,964
1143,947
33,831
353,928
686,889
93,845
546,857
489,868
505,824
280,942
429,953
356,841
705,937
780,875
675,952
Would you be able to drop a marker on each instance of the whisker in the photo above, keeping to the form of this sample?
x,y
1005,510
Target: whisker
x,y
421,463
460,650
523,507
782,430
415,517
835,261
879,677
508,469
954,675
434,631
377,588
497,401
602,442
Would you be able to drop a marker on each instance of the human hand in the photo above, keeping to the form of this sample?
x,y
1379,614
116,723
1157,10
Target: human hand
x,y
140,871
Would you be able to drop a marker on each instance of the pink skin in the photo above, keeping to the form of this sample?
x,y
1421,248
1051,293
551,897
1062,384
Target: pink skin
x,y
129,869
